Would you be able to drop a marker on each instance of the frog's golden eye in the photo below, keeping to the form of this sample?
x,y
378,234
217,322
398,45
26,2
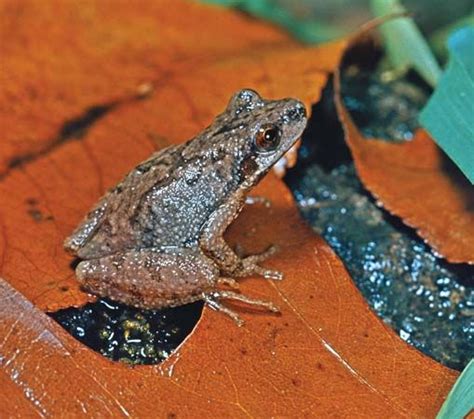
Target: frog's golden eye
x,y
268,138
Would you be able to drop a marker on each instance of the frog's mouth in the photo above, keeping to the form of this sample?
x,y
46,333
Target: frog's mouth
x,y
288,160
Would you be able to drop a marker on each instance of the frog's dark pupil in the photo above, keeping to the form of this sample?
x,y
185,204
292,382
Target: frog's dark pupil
x,y
268,138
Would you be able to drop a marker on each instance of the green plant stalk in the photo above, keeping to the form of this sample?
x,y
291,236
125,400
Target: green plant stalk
x,y
405,45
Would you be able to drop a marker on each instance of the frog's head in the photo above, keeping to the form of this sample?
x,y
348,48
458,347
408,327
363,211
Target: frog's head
x,y
264,130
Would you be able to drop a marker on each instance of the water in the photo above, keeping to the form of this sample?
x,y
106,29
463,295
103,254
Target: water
x,y
430,303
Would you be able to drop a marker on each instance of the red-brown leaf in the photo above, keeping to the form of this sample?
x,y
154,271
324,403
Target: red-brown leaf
x,y
327,354
418,183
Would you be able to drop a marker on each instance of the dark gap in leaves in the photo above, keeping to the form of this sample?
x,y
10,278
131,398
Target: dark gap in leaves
x,y
382,104
384,109
328,150
74,129
427,300
123,333
77,127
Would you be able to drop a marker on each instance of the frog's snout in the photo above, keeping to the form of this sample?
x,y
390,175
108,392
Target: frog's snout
x,y
296,112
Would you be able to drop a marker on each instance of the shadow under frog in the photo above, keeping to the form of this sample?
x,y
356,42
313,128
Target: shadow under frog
x,y
156,239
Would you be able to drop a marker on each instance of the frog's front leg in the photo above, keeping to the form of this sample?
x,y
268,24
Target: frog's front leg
x,y
213,244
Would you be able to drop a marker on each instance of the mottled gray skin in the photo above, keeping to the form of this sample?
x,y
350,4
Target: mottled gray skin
x,y
155,240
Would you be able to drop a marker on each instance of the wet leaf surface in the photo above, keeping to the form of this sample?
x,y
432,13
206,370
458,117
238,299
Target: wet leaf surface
x,y
426,300
327,352
418,183
128,334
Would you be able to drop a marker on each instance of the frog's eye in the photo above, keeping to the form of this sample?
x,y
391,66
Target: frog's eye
x,y
267,138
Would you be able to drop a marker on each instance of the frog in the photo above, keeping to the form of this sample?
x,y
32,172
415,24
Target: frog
x,y
155,240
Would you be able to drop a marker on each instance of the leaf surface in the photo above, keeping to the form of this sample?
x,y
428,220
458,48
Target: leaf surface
x,y
62,61
326,354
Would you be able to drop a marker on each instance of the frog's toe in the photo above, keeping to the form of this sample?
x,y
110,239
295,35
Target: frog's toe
x,y
230,282
256,258
213,300
260,257
215,304
268,273
249,265
232,295
248,269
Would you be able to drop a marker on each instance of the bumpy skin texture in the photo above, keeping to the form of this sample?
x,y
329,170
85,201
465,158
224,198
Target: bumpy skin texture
x,y
155,240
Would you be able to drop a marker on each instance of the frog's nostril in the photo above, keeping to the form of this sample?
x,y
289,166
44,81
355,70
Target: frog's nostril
x,y
297,112
301,110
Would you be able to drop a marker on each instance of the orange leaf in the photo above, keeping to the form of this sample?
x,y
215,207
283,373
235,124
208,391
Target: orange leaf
x,y
326,353
62,61
195,66
418,183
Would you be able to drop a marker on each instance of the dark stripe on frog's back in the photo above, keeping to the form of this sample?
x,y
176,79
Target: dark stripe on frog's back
x,y
111,233
142,178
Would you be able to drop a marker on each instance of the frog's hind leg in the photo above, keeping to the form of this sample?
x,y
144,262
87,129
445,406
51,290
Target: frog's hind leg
x,y
216,305
213,300
150,278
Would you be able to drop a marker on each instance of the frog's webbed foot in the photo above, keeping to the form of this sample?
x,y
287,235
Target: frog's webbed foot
x,y
249,265
213,300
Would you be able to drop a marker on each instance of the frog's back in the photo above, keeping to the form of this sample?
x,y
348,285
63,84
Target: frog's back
x,y
163,202
173,213
107,227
